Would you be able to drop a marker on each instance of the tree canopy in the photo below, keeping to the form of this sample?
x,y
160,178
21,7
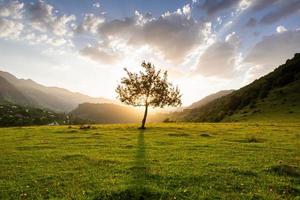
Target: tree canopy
x,y
149,88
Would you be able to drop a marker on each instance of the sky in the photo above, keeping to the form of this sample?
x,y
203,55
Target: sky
x,y
205,45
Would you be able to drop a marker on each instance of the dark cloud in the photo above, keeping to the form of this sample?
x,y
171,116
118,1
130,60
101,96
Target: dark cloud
x,y
258,5
283,10
172,34
218,60
251,22
99,55
256,33
273,50
211,7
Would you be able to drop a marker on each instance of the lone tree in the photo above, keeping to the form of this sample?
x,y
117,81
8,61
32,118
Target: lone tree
x,y
148,88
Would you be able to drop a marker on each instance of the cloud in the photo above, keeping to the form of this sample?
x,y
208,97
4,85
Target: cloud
x,y
219,59
90,23
43,19
251,22
273,50
96,5
173,34
258,5
212,7
280,29
10,29
36,23
100,54
13,9
285,9
11,13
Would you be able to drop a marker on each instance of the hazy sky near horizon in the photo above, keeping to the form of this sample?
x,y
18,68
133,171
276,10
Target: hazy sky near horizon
x,y
205,45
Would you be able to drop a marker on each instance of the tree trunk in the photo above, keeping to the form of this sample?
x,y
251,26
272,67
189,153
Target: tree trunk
x,y
145,117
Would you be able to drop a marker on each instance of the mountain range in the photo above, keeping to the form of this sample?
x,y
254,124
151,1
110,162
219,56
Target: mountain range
x,y
106,113
275,96
28,92
209,98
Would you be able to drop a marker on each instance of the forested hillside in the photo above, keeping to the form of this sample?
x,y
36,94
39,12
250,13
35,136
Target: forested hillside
x,y
275,96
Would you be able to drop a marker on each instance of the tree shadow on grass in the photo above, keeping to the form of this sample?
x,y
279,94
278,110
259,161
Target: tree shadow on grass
x,y
138,189
138,186
139,168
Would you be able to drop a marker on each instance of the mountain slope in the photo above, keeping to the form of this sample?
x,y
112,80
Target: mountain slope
x,y
106,113
209,98
54,98
9,93
275,96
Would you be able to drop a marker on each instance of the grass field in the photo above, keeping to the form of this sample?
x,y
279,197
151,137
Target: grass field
x,y
165,161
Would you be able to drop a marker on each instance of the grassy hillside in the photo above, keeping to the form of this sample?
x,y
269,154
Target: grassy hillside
x,y
281,104
275,96
166,161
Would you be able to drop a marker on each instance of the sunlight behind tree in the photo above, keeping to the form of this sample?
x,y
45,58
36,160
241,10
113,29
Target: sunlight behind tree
x,y
148,88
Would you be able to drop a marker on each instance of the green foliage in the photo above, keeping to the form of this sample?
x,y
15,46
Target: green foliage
x,y
166,161
16,115
148,88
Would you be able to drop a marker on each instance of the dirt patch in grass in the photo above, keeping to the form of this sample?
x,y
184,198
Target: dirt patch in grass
x,y
178,134
105,162
205,134
124,138
163,143
97,134
72,131
72,137
251,139
129,146
284,170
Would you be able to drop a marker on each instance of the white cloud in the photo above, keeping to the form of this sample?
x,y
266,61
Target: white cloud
x,y
10,29
43,19
186,10
60,25
13,9
281,29
96,5
244,4
231,37
90,23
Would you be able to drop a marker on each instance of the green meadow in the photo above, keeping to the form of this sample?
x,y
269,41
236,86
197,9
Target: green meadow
x,y
165,161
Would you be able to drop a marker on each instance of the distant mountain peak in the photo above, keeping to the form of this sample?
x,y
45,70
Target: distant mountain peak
x,y
209,98
50,97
